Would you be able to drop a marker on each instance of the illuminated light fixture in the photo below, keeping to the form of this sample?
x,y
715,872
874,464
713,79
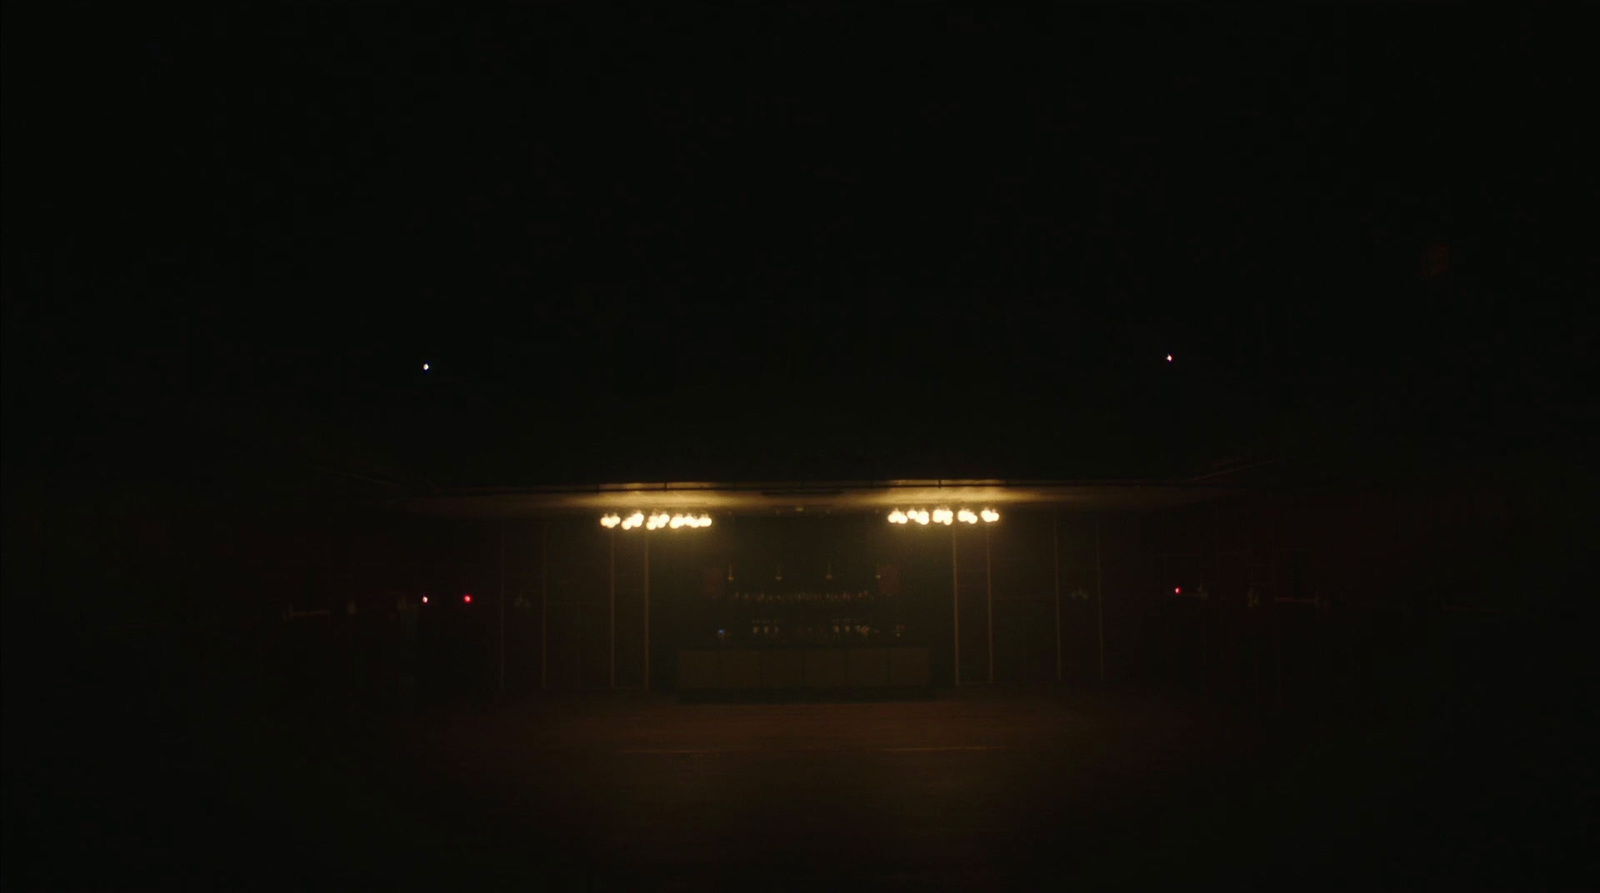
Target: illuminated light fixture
x,y
424,367
944,516
1169,357
990,515
424,599
966,516
466,599
921,515
654,521
1177,590
897,517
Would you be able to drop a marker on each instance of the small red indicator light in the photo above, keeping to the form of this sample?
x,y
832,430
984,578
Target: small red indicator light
x,y
1176,590
467,599
424,599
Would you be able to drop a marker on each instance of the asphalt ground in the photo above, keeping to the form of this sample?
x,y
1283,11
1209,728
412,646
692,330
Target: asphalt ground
x,y
978,788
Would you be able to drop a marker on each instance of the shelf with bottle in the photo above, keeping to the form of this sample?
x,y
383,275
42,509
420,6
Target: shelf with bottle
x,y
775,632
761,596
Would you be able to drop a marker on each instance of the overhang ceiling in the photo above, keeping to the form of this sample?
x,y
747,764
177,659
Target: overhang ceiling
x,y
822,498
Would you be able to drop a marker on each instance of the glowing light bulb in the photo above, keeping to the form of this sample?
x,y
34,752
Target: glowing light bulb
x,y
990,515
943,516
466,599
1177,590
921,515
897,517
424,367
1169,357
966,516
705,520
610,521
676,522
424,599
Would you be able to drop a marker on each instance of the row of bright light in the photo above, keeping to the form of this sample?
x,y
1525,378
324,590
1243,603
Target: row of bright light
x,y
658,520
943,516
655,521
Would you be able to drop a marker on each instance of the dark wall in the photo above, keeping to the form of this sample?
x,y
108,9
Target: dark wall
x,y
183,597
1343,590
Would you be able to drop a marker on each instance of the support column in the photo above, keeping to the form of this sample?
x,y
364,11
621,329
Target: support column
x,y
1055,549
647,613
500,675
1099,600
611,613
955,588
544,605
988,597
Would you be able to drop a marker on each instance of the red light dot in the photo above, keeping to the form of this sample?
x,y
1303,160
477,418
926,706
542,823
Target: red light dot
x,y
424,599
1176,590
467,599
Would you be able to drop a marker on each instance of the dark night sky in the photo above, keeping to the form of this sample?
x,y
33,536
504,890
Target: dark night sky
x,y
675,244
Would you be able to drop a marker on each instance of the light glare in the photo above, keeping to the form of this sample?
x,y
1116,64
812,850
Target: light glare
x,y
654,521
